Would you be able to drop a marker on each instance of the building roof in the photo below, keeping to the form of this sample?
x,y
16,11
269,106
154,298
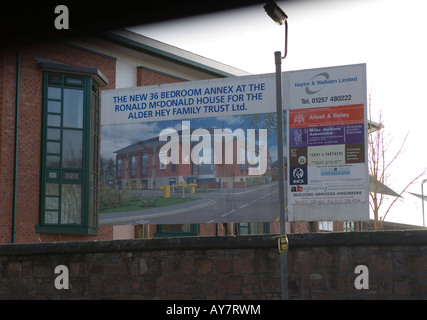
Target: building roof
x,y
381,188
151,142
388,225
140,145
374,126
165,51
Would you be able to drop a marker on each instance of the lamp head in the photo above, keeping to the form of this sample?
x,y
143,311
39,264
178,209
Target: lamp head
x,y
275,13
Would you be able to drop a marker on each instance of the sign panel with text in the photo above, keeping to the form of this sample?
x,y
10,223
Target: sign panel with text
x,y
190,152
206,151
327,141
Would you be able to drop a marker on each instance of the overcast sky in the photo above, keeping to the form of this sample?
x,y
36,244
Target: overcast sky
x,y
387,35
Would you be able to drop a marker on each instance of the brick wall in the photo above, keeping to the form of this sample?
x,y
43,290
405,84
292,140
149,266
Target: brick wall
x,y
7,138
178,268
321,266
148,77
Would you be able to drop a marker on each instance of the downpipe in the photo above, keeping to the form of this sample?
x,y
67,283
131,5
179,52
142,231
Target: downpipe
x,y
15,165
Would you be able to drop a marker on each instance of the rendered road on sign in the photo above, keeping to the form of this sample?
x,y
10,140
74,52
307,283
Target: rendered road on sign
x,y
254,204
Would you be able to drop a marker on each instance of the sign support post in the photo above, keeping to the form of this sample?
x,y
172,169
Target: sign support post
x,y
281,164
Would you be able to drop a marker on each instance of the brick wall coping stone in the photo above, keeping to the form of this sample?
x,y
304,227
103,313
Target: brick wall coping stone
x,y
366,238
382,238
163,244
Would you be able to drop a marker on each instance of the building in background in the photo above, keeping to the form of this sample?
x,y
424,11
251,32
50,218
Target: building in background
x,y
50,126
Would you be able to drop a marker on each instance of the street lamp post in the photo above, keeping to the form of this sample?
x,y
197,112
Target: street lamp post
x,y
277,14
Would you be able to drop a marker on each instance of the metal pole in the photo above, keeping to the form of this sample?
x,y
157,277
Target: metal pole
x,y
422,197
281,164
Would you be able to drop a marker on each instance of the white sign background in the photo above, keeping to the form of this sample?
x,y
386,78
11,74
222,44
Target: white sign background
x,y
189,100
342,195
310,88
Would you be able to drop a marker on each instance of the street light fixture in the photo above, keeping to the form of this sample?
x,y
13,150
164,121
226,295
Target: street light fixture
x,y
275,13
278,16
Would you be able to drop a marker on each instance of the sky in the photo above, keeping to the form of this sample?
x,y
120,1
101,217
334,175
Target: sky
x,y
387,35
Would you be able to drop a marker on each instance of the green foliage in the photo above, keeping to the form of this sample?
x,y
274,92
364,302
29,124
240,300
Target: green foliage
x,y
107,169
256,181
148,201
111,197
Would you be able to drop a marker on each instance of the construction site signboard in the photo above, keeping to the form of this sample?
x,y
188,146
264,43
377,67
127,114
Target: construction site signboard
x,y
206,151
328,179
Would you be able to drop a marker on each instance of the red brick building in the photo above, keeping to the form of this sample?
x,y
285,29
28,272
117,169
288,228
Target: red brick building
x,y
140,165
50,126
25,123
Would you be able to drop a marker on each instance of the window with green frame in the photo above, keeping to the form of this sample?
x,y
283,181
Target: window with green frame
x,y
252,228
176,230
70,154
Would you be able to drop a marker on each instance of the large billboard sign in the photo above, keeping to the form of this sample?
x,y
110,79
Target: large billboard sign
x,y
327,142
206,151
191,152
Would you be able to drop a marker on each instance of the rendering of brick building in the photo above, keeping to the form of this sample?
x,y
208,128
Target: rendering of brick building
x,y
140,165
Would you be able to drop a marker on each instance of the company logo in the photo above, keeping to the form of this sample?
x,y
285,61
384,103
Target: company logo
x,y
298,173
297,189
318,82
299,118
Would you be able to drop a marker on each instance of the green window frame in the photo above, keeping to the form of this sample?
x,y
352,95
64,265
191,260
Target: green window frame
x,y
70,154
252,228
176,230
